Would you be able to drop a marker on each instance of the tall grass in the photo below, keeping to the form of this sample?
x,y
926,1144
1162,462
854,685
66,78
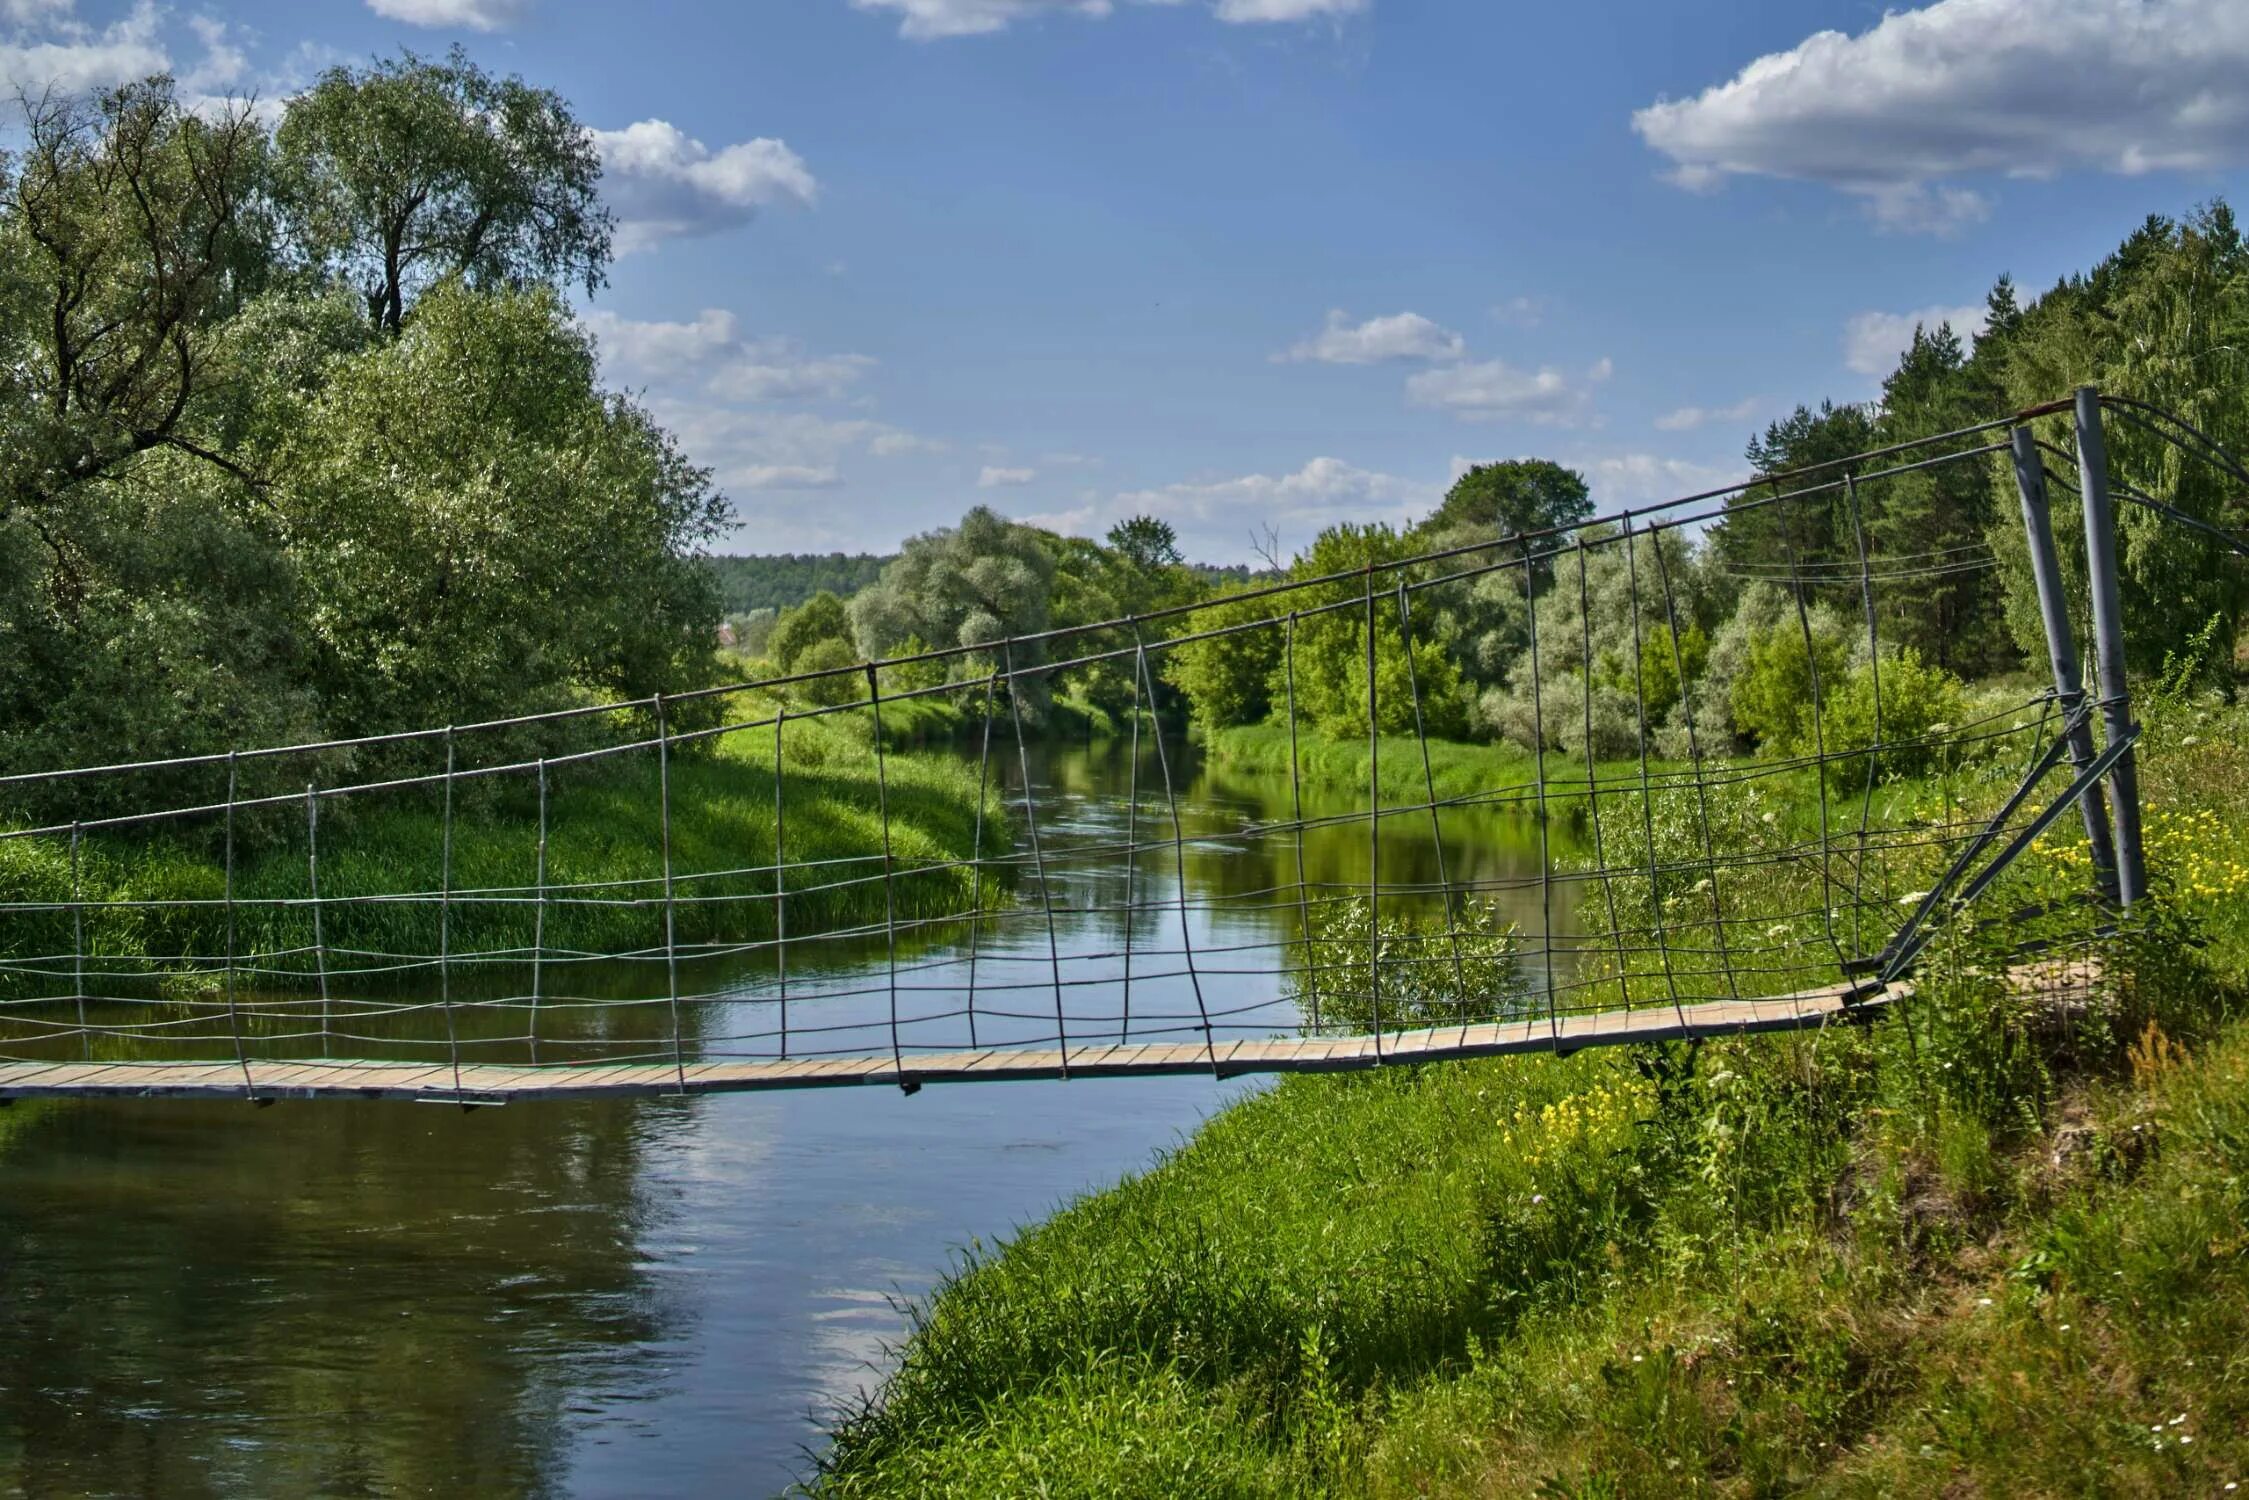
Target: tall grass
x,y
1991,1244
382,868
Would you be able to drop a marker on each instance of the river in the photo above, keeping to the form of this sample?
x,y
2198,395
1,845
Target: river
x,y
627,1297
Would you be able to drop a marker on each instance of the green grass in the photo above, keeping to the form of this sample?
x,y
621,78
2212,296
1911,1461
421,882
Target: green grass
x,y
1984,1246
604,844
1457,770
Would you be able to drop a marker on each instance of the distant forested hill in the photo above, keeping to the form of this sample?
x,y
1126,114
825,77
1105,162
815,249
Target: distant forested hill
x,y
784,579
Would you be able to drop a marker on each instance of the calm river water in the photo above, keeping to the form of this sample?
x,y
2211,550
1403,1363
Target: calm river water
x,y
646,1297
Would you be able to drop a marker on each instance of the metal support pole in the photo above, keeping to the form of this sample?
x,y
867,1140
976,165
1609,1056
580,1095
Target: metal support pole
x,y
2061,648
2108,644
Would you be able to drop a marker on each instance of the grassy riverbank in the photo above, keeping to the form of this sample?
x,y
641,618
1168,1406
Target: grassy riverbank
x,y
1983,1246
604,857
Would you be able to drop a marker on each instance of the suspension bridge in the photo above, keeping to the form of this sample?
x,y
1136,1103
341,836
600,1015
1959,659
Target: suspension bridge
x,y
1675,911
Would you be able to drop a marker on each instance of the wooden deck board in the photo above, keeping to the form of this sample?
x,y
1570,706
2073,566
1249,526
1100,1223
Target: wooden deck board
x,y
486,1082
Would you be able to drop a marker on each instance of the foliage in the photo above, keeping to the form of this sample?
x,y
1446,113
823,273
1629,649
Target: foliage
x,y
783,580
1228,673
233,510
1416,969
820,618
1902,704
403,173
1509,499
2162,320
1790,666
483,531
1332,665
982,581
1989,1244
1146,543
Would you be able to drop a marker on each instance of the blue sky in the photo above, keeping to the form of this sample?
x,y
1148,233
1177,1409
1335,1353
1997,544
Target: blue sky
x,y
1276,263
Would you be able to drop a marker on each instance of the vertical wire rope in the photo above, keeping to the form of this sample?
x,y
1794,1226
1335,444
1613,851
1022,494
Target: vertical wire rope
x,y
539,915
1296,813
1694,757
976,855
319,934
1038,852
1593,788
1374,833
671,905
233,1008
1131,856
445,920
1819,741
1429,787
780,882
1873,755
889,886
1647,796
78,947
1178,851
1545,836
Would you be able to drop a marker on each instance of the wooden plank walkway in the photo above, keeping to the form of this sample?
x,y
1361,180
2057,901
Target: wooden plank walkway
x,y
488,1083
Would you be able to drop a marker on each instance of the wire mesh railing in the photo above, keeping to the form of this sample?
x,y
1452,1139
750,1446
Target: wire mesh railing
x,y
1618,848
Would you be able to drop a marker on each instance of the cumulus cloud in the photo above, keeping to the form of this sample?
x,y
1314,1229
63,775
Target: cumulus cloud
x,y
784,477
664,184
928,20
995,477
1401,336
2026,88
712,351
1872,341
73,58
1496,391
1688,418
466,15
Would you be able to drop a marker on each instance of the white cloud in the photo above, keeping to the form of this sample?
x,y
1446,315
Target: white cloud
x,y
1872,341
223,64
665,184
713,352
995,477
2023,88
1520,312
1245,11
469,15
1618,480
1688,418
927,20
30,12
1218,517
1495,391
784,477
1401,336
757,448
896,444
75,58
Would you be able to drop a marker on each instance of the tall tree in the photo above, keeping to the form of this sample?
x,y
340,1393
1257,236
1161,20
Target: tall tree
x,y
1506,499
129,228
408,170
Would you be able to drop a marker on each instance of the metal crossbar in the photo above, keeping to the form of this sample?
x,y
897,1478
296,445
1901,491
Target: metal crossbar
x,y
1628,872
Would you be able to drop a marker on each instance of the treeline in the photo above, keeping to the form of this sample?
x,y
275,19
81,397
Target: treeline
x,y
783,580
1730,636
298,435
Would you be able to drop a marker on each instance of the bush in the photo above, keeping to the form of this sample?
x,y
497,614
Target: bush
x,y
1918,704
826,656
